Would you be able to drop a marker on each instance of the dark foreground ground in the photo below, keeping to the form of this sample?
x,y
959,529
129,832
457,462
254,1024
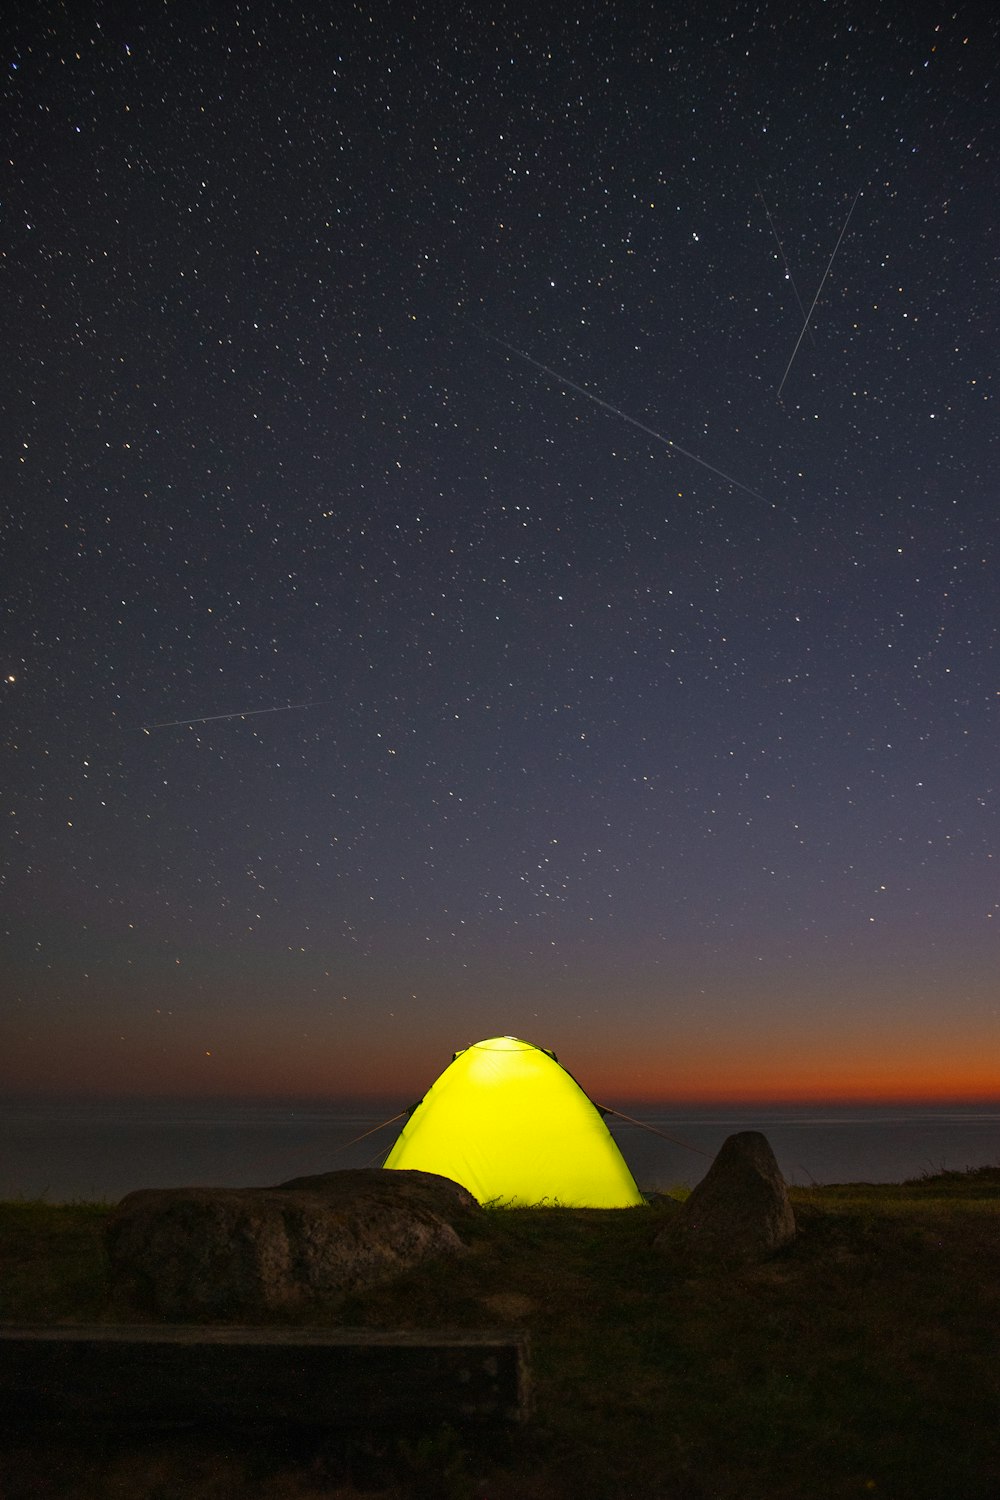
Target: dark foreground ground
x,y
862,1361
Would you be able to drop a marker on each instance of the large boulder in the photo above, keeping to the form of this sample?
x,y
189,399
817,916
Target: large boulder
x,y
739,1212
210,1252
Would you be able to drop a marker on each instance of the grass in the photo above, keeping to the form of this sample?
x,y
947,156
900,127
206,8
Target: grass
x,y
862,1361
52,1266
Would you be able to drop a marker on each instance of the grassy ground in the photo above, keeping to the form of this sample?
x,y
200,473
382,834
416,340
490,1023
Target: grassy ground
x,y
862,1361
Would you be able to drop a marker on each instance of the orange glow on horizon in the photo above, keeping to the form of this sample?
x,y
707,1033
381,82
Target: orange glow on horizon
x,y
608,1090
241,1062
831,1085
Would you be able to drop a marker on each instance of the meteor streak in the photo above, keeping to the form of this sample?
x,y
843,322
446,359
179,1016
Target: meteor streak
x,y
246,713
784,258
826,273
617,411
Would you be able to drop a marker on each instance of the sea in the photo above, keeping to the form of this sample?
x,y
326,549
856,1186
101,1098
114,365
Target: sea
x,y
99,1151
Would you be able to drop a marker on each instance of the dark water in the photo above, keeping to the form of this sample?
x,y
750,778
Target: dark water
x,y
102,1151
819,1145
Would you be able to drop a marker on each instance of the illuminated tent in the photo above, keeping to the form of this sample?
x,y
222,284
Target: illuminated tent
x,y
512,1126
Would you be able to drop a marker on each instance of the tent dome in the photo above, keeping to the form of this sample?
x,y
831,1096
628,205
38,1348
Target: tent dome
x,y
512,1126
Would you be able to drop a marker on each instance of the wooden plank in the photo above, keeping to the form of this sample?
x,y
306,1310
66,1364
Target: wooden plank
x,y
336,1377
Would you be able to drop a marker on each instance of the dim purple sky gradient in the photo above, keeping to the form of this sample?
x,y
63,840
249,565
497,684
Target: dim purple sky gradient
x,y
693,781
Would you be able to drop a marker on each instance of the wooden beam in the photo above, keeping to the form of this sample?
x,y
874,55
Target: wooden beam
x,y
337,1377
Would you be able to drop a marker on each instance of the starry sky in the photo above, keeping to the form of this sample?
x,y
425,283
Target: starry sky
x,y
501,536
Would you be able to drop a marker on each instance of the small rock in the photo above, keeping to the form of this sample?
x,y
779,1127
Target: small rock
x,y
740,1211
210,1252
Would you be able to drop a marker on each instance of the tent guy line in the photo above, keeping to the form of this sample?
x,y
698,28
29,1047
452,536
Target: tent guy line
x,y
645,1125
617,411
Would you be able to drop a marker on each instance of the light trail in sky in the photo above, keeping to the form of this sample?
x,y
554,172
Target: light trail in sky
x,y
812,309
617,411
784,257
246,713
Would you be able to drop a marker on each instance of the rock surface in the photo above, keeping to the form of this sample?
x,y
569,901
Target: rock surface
x,y
740,1211
195,1252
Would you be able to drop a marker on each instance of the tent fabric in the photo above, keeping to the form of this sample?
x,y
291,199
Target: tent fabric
x,y
513,1127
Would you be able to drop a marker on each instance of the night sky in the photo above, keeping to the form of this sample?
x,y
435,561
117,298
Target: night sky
x,y
368,688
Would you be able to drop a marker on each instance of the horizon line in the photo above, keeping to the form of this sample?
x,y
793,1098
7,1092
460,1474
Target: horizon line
x,y
371,1101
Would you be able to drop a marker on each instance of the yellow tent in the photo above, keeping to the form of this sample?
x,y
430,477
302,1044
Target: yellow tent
x,y
512,1126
